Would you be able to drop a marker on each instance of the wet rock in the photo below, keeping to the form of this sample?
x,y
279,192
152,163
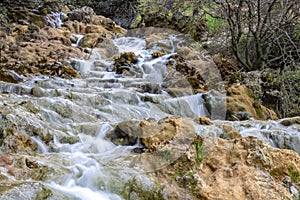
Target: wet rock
x,y
16,169
191,73
157,54
38,92
291,186
290,121
203,120
241,105
215,103
230,132
10,76
91,40
125,133
16,141
125,62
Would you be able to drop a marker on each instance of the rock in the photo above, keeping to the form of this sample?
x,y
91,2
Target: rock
x,y
125,62
290,121
152,135
120,11
243,168
36,47
83,14
227,67
203,120
125,133
162,142
15,141
91,40
68,72
10,76
242,104
157,54
230,132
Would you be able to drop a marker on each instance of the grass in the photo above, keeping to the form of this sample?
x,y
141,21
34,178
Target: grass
x,y
293,174
213,25
199,151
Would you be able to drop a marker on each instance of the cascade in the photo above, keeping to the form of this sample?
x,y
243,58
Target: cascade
x,y
77,114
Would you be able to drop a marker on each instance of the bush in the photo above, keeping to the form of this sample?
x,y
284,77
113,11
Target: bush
x,y
262,33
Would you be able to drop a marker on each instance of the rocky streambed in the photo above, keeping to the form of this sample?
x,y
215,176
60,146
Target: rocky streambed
x,y
89,110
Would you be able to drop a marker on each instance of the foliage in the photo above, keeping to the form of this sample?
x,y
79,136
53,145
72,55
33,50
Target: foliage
x,y
214,25
289,83
199,151
182,16
133,189
262,33
293,174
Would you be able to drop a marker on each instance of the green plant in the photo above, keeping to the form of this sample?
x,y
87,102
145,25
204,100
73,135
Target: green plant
x,y
213,25
262,33
199,151
289,81
293,174
135,188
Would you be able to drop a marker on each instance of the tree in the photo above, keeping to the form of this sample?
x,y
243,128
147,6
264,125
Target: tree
x,y
263,33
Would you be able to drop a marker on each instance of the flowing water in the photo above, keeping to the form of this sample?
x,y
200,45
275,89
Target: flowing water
x,y
76,114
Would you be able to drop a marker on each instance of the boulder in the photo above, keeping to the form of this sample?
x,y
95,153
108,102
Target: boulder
x,y
126,61
91,40
15,141
242,104
83,14
10,76
243,168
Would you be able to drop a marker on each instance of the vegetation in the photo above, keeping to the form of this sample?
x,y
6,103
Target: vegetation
x,y
293,174
199,151
289,90
183,16
134,189
262,33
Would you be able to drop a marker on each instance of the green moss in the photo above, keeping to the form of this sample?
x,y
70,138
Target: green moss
x,y
137,20
133,190
258,109
293,174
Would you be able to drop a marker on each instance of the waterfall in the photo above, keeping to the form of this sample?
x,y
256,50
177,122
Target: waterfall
x,y
68,119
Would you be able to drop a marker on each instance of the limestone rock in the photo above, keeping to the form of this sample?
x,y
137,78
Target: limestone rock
x,y
15,141
83,14
90,40
203,120
125,62
241,105
230,132
10,76
243,168
125,133
290,121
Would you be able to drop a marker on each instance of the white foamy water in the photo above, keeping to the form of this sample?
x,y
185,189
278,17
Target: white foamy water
x,y
70,118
